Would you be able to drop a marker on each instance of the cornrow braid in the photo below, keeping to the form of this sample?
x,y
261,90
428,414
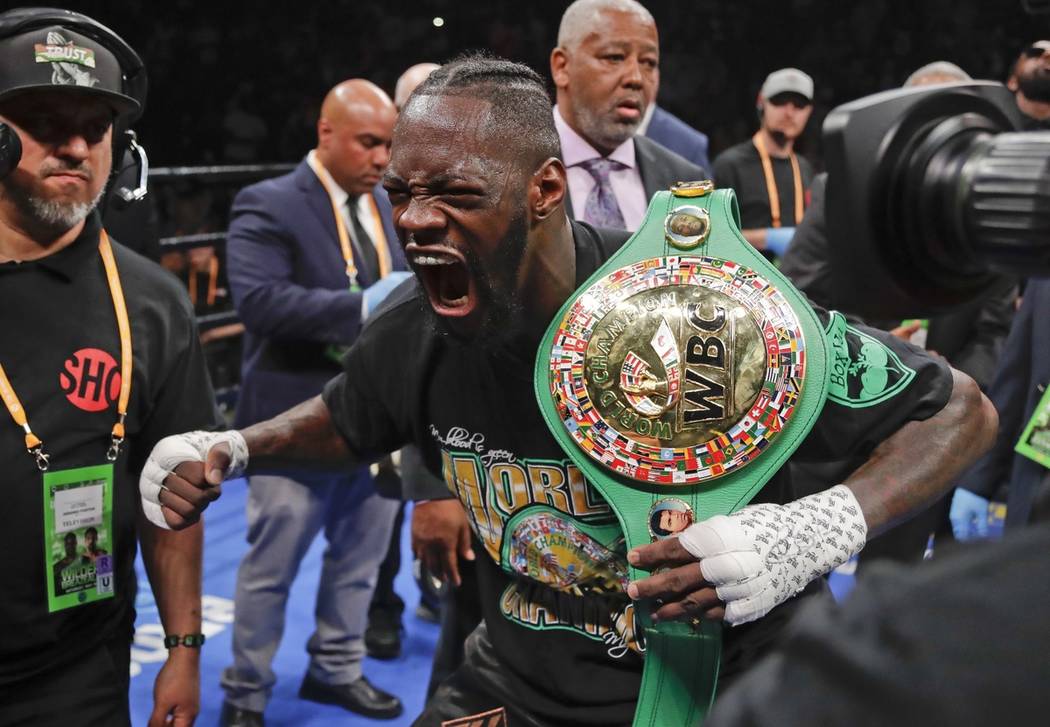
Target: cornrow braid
x,y
521,111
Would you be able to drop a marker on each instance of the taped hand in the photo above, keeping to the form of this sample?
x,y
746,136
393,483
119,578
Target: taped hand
x,y
752,560
184,473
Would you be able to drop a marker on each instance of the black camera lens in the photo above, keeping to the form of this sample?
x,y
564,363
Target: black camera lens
x,y
934,197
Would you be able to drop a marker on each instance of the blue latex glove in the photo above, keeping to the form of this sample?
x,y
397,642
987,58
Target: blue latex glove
x,y
778,239
969,515
377,292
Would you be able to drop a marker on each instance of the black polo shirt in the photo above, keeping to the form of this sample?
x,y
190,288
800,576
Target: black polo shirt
x,y
740,168
61,350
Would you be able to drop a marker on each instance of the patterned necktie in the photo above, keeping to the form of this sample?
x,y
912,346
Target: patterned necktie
x,y
365,255
602,209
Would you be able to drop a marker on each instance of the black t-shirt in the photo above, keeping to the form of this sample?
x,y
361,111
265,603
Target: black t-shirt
x,y
740,168
566,658
60,335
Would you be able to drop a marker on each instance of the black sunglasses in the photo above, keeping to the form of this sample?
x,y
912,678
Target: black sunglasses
x,y
788,97
1035,51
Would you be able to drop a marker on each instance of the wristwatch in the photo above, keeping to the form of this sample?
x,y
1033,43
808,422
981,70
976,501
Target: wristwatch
x,y
190,641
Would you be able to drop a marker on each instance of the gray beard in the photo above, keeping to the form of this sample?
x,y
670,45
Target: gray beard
x,y
604,131
58,216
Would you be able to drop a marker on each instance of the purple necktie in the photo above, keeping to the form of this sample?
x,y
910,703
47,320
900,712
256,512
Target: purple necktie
x,y
601,209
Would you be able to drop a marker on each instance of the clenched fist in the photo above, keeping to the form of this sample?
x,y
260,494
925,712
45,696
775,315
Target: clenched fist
x,y
184,474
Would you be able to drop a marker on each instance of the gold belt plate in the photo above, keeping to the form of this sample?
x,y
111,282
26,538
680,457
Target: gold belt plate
x,y
677,369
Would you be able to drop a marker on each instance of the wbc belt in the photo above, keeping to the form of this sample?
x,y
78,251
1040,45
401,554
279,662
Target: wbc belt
x,y
679,378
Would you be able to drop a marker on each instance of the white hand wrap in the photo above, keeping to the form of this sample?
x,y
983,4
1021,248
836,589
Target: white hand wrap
x,y
762,555
172,451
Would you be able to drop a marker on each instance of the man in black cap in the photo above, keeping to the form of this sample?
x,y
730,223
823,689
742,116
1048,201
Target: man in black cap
x,y
99,359
772,181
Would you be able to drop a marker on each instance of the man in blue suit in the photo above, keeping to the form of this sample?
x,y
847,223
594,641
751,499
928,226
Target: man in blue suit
x,y
669,131
310,254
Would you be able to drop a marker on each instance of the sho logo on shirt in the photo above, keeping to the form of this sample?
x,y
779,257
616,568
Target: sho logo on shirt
x,y
90,379
864,371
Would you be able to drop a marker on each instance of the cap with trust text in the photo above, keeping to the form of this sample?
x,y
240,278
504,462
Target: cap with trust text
x,y
57,58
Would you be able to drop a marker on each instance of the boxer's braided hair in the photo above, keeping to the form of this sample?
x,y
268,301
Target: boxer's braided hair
x,y
521,108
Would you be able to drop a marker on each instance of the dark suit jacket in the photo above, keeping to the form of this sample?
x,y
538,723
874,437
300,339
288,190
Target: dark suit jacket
x,y
670,131
1022,376
971,337
288,280
659,168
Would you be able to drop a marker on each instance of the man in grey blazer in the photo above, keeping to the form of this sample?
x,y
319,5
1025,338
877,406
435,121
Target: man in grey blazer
x,y
606,71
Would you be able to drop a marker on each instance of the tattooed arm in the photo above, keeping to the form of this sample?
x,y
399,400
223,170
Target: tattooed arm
x,y
763,554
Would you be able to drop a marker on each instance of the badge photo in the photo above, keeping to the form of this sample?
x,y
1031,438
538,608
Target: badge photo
x,y
78,535
687,227
669,517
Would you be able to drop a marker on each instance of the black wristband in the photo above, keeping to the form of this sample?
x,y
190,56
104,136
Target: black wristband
x,y
190,641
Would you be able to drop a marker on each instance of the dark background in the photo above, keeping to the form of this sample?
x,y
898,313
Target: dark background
x,y
235,82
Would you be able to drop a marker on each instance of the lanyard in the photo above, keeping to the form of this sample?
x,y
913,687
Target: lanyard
x,y
33,443
379,242
771,182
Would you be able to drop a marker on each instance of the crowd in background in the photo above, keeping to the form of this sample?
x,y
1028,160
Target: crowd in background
x,y
231,83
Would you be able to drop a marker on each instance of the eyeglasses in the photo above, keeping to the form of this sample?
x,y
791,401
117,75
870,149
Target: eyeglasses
x,y
1035,51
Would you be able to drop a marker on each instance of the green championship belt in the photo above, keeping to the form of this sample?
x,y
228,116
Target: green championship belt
x,y
679,378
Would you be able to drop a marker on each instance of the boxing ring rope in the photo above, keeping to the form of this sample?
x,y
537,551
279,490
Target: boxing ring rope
x,y
221,324
221,173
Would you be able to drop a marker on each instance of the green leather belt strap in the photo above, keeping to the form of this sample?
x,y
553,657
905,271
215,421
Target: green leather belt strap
x,y
674,380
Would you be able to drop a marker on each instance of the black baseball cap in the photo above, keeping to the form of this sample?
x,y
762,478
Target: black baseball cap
x,y
57,58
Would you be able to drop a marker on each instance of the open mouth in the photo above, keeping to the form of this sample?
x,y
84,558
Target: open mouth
x,y
445,277
629,109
